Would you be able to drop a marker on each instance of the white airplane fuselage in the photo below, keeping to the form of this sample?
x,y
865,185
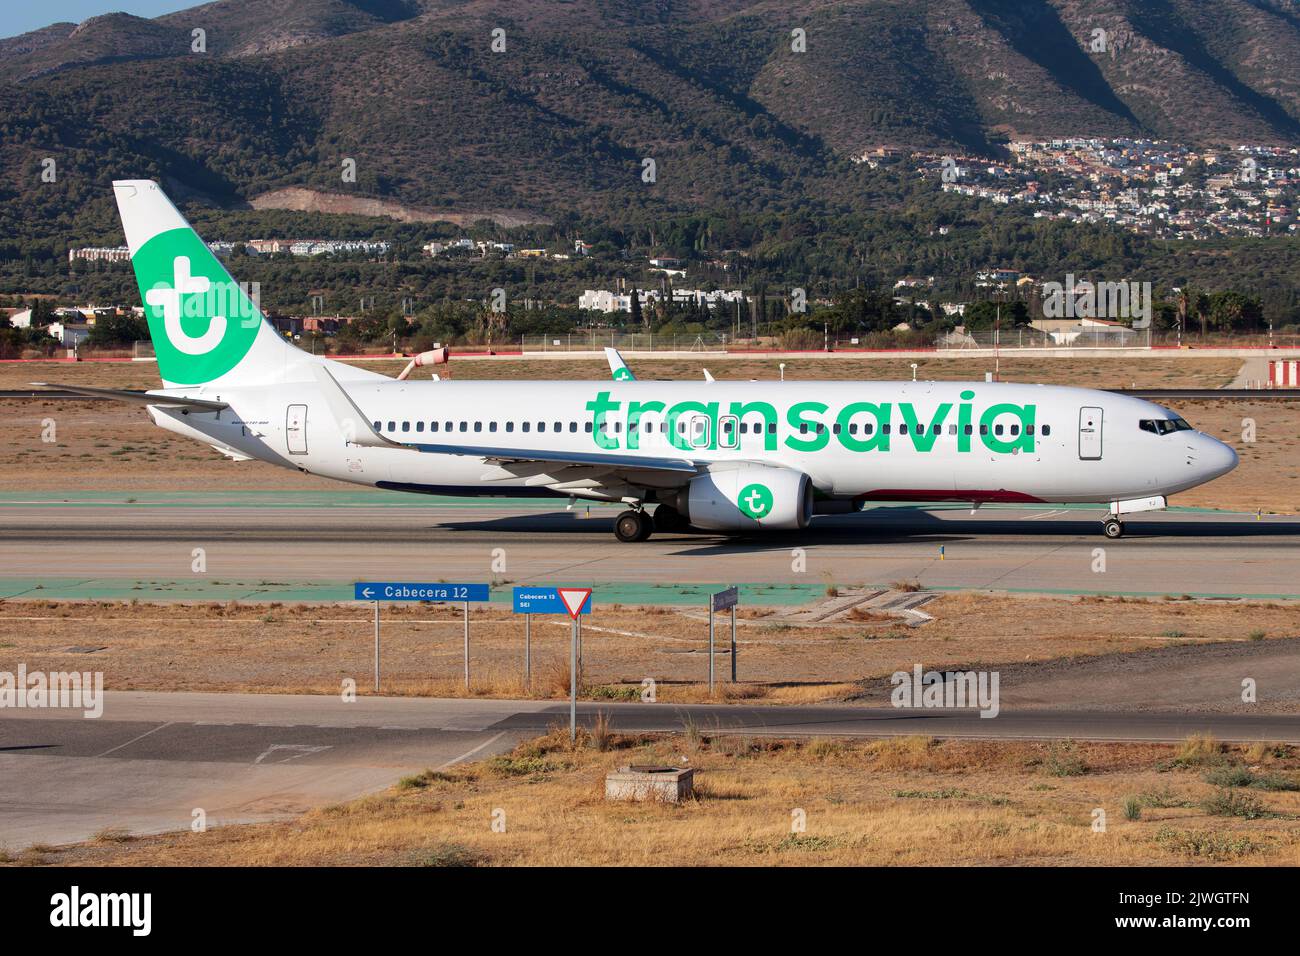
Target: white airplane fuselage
x,y
919,441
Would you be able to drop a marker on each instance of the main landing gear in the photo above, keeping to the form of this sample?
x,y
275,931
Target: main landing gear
x,y
633,526
1112,527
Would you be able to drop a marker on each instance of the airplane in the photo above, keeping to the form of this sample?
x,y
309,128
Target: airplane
x,y
719,456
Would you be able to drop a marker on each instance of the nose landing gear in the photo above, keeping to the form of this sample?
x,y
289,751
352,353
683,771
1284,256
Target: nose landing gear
x,y
1112,527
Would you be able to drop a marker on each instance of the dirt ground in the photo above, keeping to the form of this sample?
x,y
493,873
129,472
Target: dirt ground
x,y
910,801
313,649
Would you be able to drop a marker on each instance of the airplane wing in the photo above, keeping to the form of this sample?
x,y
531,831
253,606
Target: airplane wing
x,y
138,398
617,367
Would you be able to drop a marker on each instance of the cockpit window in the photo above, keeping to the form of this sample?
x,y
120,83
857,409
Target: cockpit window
x,y
1163,426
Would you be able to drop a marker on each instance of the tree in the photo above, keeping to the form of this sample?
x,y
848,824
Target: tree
x,y
118,330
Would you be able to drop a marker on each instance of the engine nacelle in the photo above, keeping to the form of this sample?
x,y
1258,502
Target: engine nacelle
x,y
746,498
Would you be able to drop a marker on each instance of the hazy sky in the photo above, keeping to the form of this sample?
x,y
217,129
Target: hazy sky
x,y
22,17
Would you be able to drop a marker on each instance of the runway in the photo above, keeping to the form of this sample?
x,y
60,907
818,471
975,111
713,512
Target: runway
x,y
311,546
153,759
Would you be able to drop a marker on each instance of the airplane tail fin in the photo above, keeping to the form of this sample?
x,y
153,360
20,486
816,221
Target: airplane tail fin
x,y
206,328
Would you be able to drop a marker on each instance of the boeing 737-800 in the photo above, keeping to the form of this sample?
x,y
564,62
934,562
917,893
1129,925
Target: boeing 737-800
x,y
730,457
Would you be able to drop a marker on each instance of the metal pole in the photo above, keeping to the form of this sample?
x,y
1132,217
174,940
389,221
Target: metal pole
x,y
467,645
573,681
710,645
528,652
578,623
733,643
376,647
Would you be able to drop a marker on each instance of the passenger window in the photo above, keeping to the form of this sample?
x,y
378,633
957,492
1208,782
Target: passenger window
x,y
853,428
803,429
997,429
984,429
433,426
559,426
937,430
526,425
406,426
378,426
464,426
510,426
885,428
952,429
492,426
1047,430
573,426
744,428
478,426
1015,429
835,429
967,429
541,426
587,426
392,426
419,426
868,428
1029,429
902,429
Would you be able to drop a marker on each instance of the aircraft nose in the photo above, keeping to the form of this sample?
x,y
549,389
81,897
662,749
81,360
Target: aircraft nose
x,y
1213,457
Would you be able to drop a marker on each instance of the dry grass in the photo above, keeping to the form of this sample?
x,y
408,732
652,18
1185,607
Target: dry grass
x,y
313,649
908,801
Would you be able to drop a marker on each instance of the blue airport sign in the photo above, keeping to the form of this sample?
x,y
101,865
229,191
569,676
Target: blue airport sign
x,y
415,591
542,601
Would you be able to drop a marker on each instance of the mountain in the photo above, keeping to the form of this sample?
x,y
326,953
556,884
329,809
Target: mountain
x,y
587,91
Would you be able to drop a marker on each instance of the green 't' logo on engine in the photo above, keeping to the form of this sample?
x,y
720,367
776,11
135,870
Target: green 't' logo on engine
x,y
202,322
755,501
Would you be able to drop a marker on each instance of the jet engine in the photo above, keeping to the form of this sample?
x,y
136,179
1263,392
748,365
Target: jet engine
x,y
746,498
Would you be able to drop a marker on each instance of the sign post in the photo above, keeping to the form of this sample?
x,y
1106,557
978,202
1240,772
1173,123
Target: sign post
x,y
722,601
543,600
376,591
575,599
710,647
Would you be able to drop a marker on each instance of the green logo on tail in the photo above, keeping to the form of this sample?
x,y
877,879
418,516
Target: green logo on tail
x,y
201,321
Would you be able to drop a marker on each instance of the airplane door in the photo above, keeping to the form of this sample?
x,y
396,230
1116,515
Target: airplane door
x,y
295,430
1090,434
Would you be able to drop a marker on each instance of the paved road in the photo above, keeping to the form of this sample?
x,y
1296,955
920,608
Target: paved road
x,y
152,758
1035,549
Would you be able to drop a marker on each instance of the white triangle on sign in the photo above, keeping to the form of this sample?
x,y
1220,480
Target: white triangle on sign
x,y
574,599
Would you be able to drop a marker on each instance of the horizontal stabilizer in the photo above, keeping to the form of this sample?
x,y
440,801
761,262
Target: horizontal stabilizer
x,y
139,398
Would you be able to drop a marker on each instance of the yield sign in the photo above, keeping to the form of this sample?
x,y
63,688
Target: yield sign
x,y
574,599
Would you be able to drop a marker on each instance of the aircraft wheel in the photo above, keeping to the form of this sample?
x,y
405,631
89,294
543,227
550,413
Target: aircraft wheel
x,y
632,526
1112,528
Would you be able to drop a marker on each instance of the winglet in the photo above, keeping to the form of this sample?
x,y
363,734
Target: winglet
x,y
617,367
